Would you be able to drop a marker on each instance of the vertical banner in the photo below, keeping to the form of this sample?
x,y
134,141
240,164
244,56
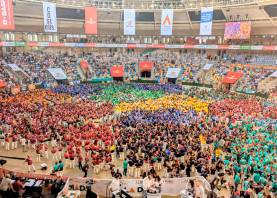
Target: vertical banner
x,y
90,20
166,22
6,16
50,18
129,22
206,21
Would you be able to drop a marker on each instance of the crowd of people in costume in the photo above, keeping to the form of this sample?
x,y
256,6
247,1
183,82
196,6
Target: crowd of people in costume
x,y
228,139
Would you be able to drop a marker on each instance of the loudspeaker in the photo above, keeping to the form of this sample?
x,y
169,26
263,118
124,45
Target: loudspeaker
x,y
91,194
2,162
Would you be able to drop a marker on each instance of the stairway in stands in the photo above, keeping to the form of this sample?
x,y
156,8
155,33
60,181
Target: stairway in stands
x,y
267,84
18,76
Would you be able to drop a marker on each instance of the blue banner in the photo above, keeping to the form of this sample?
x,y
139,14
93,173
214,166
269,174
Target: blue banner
x,y
206,21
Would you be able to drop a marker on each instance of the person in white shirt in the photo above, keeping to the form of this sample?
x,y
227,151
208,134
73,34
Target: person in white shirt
x,y
199,190
115,185
5,185
23,143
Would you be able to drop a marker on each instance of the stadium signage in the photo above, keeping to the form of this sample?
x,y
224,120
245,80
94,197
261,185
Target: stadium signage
x,y
147,46
166,22
206,21
50,19
129,22
6,16
90,20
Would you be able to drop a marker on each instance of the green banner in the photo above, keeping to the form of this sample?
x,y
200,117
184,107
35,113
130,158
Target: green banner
x,y
20,44
245,47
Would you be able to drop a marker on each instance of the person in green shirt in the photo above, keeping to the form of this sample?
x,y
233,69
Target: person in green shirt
x,y
237,180
56,167
125,167
61,165
256,177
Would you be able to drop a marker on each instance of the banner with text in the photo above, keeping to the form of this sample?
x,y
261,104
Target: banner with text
x,y
206,21
6,16
166,22
90,20
129,22
50,18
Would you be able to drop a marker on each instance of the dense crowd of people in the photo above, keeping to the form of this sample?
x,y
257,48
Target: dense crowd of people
x,y
148,131
229,139
36,64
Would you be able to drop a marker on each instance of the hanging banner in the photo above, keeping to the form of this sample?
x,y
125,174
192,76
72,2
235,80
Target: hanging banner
x,y
232,77
129,22
6,16
166,22
50,18
90,20
146,66
173,72
117,71
206,21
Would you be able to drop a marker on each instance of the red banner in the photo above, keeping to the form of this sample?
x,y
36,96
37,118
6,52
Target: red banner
x,y
6,15
232,77
117,71
146,66
90,20
32,44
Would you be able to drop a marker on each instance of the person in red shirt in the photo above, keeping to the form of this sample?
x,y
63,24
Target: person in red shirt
x,y
66,156
72,161
38,152
30,164
7,142
18,187
60,151
45,148
54,153
14,141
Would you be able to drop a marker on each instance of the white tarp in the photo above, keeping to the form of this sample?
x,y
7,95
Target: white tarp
x,y
14,67
58,73
173,72
274,74
207,66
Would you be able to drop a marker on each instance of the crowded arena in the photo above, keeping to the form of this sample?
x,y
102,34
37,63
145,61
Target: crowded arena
x,y
138,98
